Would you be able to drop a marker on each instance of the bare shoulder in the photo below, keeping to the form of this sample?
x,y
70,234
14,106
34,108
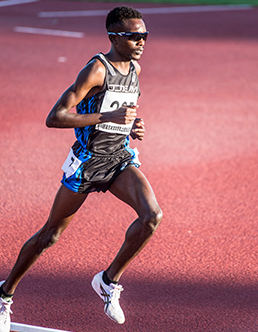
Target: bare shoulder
x,y
90,79
137,67
94,71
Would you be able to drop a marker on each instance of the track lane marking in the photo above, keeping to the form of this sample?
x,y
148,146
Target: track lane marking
x,y
161,10
30,328
7,3
49,32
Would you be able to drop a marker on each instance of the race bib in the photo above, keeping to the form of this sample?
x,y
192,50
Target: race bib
x,y
71,164
112,101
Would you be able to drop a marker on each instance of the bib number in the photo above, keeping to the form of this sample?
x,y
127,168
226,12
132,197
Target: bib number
x,y
111,102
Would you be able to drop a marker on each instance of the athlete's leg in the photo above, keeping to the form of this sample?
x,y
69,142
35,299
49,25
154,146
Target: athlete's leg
x,y
64,208
132,187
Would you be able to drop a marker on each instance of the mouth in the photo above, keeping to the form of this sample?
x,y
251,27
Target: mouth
x,y
139,51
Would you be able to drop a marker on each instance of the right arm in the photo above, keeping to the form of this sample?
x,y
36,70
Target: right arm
x,y
89,81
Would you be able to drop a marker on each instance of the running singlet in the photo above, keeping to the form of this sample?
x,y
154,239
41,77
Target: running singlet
x,y
119,90
102,151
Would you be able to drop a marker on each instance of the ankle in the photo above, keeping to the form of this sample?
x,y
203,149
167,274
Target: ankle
x,y
106,279
4,295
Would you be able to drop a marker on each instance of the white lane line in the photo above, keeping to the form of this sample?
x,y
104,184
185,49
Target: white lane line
x,y
161,10
30,328
194,9
75,13
49,32
14,2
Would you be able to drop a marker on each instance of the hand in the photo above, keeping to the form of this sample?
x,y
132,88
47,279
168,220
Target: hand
x,y
123,115
138,129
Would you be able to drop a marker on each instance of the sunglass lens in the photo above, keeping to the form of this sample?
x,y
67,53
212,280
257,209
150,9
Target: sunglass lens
x,y
144,36
138,36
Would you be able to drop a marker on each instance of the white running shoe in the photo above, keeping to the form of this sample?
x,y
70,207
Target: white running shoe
x,y
110,295
5,311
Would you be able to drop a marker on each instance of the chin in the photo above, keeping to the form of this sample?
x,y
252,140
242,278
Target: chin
x,y
135,57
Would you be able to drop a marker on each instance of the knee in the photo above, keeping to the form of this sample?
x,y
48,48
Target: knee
x,y
152,220
46,238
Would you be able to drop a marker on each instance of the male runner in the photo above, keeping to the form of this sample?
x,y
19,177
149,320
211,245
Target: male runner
x,y
105,95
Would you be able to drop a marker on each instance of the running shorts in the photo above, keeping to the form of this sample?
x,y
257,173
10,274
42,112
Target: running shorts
x,y
98,172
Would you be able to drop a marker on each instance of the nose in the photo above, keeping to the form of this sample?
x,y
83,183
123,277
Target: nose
x,y
141,42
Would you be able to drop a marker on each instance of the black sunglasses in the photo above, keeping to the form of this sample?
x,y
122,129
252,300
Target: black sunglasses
x,y
135,36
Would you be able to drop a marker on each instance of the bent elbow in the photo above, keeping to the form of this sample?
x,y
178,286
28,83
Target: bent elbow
x,y
49,122
53,121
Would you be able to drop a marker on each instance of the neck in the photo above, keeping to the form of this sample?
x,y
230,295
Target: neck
x,y
121,64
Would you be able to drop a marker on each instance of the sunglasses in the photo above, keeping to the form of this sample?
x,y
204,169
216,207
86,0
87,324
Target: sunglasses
x,y
134,36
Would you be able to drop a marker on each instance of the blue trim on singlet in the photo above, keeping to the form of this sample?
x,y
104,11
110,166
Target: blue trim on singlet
x,y
82,134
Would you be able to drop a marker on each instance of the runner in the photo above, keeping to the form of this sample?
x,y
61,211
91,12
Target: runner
x,y
105,95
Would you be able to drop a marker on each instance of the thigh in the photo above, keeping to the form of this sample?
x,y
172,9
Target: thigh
x,y
65,205
133,188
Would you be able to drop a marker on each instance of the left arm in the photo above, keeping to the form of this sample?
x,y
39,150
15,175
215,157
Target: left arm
x,y
138,128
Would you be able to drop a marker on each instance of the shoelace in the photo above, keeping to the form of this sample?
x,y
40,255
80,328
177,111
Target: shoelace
x,y
115,294
5,309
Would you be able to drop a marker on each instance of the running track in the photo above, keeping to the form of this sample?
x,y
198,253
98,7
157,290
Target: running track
x,y
199,87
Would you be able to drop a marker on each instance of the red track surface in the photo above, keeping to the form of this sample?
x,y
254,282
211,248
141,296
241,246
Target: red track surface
x,y
199,87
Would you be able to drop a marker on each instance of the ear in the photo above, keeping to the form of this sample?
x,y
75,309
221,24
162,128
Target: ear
x,y
113,39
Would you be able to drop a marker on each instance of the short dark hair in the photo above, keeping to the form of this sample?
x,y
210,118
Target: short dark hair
x,y
118,15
